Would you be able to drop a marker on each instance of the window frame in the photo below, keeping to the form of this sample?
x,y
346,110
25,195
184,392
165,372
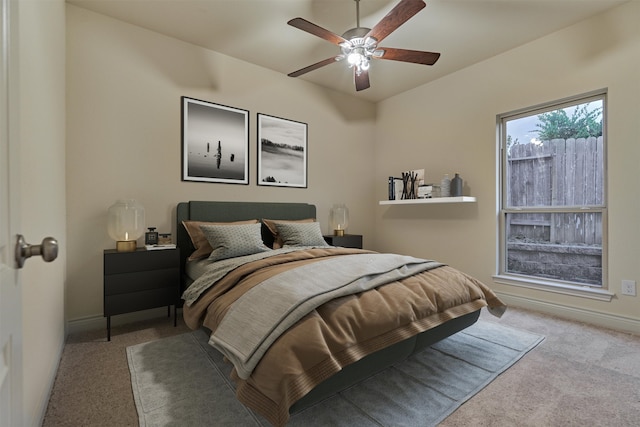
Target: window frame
x,y
552,285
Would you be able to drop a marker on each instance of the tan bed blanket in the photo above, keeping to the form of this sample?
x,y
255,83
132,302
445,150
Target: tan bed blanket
x,y
340,331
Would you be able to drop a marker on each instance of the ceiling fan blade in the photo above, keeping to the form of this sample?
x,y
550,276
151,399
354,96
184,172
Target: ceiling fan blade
x,y
406,55
316,66
309,27
400,14
362,80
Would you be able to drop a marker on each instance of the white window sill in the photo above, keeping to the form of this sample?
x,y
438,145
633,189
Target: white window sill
x,y
556,287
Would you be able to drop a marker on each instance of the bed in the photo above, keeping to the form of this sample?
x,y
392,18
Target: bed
x,y
334,336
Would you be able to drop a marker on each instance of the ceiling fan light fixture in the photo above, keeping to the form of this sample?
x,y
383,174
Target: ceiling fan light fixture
x,y
359,45
358,58
354,58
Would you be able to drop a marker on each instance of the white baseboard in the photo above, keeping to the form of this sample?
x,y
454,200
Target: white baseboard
x,y
611,321
92,323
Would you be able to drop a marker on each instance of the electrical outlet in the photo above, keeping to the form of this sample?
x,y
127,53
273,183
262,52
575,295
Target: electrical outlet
x,y
629,287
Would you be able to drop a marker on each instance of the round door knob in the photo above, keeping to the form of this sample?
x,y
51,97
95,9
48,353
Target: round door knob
x,y
48,250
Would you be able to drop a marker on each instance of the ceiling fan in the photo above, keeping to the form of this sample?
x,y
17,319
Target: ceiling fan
x,y
359,45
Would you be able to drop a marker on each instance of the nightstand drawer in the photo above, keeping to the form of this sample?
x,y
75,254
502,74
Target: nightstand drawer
x,y
140,281
142,300
346,241
140,260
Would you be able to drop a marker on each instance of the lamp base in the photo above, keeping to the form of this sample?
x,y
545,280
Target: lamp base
x,y
126,245
338,232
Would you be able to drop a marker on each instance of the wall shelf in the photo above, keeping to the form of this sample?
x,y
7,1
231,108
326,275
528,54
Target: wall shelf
x,y
461,199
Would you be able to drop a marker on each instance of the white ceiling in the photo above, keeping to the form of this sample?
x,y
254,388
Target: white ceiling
x,y
463,31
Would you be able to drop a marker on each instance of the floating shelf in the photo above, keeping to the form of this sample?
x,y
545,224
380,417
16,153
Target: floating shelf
x,y
461,199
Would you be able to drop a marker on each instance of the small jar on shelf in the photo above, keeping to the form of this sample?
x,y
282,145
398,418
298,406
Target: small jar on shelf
x,y
445,186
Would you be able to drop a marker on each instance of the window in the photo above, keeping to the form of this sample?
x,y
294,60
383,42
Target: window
x,y
552,201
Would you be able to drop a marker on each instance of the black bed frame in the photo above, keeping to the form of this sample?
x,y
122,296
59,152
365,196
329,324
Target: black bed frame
x,y
364,368
232,211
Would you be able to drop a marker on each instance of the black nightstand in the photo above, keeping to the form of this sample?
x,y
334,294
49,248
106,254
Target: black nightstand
x,y
140,280
346,241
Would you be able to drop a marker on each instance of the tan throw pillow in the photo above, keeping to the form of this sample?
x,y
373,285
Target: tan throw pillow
x,y
200,242
271,225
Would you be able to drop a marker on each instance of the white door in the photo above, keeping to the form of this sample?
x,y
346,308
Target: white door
x,y
10,290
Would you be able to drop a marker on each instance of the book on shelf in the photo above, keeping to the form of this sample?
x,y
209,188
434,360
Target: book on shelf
x,y
160,247
395,188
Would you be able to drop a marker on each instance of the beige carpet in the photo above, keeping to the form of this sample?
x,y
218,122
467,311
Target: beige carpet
x,y
579,376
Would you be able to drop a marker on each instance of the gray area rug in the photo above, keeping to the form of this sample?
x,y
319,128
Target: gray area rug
x,y
182,381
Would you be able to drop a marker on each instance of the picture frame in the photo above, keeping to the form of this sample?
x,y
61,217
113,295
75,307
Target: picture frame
x,y
215,142
282,152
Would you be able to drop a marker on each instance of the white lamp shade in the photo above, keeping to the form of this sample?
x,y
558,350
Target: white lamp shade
x,y
126,220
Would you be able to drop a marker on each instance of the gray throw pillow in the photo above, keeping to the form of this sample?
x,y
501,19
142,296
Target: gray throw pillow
x,y
230,241
301,234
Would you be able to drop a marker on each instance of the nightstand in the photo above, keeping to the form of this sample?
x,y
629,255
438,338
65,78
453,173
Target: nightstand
x,y
346,241
140,280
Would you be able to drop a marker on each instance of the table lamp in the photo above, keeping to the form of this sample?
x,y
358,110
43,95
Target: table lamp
x,y
125,224
339,219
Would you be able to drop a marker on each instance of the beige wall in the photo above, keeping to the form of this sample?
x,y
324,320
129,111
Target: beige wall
x,y
123,104
42,158
124,85
450,126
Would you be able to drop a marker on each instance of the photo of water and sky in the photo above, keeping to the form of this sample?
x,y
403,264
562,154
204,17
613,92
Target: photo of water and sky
x,y
282,152
216,143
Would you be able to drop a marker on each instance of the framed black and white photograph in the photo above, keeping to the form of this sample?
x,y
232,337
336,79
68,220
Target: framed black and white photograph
x,y
215,142
282,152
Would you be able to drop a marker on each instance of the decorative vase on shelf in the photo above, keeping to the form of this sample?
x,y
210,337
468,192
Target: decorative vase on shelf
x,y
456,186
445,185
